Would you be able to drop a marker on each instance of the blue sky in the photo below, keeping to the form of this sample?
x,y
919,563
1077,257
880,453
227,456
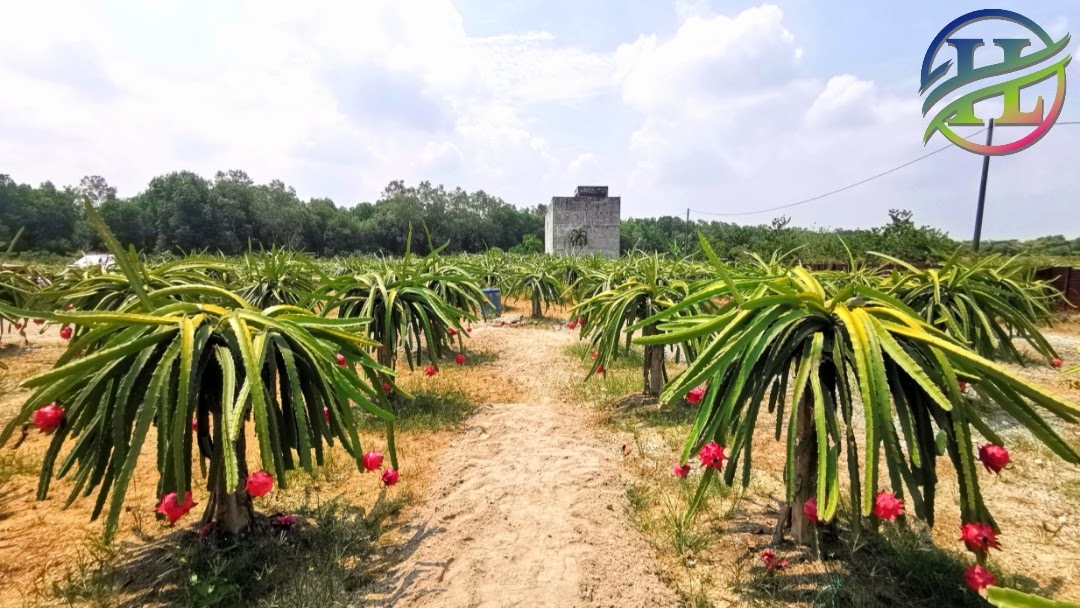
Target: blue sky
x,y
721,106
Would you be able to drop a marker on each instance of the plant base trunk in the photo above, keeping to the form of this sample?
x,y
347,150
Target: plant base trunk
x,y
385,356
229,510
234,513
536,312
803,531
782,523
653,372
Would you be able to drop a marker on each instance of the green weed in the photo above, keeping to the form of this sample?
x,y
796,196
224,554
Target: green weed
x,y
431,408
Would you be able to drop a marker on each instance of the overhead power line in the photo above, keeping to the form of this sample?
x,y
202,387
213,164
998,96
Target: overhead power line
x,y
852,185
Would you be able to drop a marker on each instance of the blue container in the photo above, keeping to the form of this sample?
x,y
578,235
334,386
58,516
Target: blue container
x,y
493,307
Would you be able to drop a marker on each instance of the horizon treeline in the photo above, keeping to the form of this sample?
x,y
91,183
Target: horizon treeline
x,y
184,212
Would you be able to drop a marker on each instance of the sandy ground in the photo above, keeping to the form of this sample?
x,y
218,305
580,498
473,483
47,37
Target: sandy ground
x,y
31,558
28,528
527,506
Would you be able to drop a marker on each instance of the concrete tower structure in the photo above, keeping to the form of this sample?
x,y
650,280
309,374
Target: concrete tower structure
x,y
583,224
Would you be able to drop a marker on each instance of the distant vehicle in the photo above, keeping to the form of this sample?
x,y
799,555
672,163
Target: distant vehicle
x,y
102,260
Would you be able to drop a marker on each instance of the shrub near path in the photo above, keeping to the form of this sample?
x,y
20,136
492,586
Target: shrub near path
x,y
527,506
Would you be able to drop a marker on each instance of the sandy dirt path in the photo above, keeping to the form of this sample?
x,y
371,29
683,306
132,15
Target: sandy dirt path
x,y
527,506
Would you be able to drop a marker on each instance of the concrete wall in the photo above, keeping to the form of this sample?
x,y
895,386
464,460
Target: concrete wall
x,y
598,215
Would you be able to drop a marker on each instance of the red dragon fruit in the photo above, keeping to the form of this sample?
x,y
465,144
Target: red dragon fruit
x,y
390,477
259,484
171,507
372,461
48,418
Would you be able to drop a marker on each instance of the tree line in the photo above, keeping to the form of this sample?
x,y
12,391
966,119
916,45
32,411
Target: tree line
x,y
900,237
183,212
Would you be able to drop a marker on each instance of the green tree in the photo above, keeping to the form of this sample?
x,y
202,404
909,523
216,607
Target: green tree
x,y
96,189
280,216
48,215
130,221
236,194
188,214
529,244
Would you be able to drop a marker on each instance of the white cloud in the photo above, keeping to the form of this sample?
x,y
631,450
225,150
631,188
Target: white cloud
x,y
686,9
338,98
779,136
846,101
1058,27
708,59
386,89
585,169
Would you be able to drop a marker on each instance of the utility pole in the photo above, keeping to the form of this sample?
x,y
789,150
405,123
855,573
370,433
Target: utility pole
x,y
688,228
982,189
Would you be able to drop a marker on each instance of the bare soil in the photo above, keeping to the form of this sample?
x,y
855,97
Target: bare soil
x,y
35,537
527,507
